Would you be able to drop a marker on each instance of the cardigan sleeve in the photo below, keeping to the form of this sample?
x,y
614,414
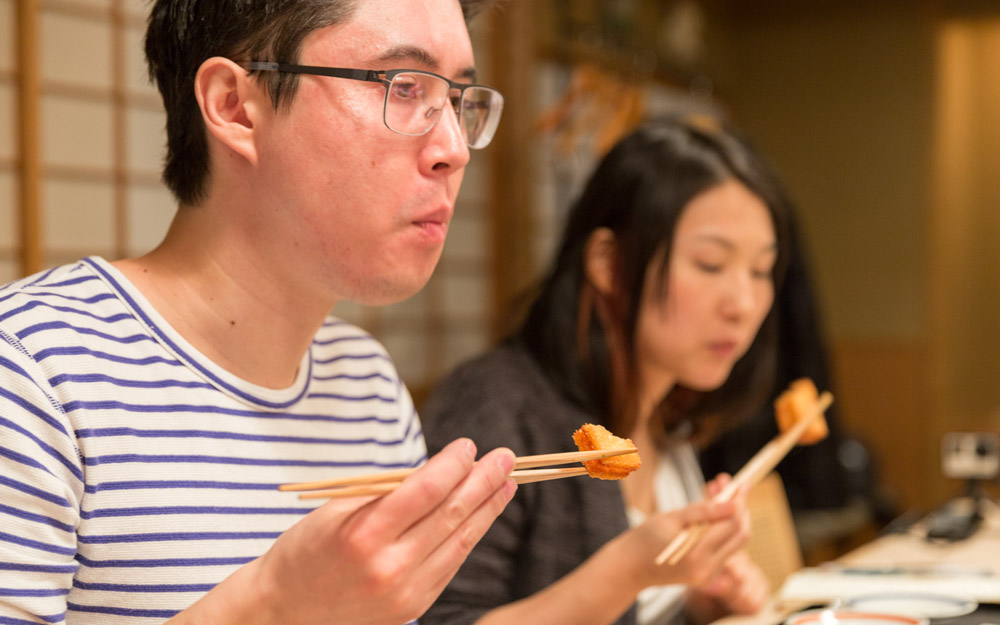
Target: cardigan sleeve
x,y
467,405
504,399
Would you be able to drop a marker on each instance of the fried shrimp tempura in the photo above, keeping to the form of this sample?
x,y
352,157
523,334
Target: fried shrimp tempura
x,y
590,437
797,403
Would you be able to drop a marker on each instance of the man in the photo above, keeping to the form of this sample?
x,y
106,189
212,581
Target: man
x,y
149,407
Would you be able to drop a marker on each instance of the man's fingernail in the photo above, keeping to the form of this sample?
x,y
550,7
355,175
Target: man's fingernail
x,y
509,488
506,462
469,448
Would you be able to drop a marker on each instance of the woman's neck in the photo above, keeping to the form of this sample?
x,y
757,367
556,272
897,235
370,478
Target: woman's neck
x,y
639,489
653,388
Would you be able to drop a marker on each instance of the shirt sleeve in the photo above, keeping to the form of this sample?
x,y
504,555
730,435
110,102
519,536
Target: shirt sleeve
x,y
411,429
41,488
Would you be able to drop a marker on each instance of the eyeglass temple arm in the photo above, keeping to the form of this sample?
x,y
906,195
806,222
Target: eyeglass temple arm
x,y
366,75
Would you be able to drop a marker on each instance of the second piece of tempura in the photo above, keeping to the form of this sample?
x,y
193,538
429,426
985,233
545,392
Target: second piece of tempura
x,y
799,402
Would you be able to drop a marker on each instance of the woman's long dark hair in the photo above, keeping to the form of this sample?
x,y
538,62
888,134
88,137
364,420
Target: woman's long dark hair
x,y
585,341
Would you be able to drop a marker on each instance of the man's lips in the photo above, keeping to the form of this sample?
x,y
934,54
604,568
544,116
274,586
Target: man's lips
x,y
439,217
434,224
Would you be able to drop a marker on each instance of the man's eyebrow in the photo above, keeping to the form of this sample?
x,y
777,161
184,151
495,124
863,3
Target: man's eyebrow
x,y
422,57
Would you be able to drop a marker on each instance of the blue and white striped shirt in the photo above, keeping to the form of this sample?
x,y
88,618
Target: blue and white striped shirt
x,y
135,474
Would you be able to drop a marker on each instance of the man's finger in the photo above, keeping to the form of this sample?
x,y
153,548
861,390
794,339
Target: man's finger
x,y
392,515
467,500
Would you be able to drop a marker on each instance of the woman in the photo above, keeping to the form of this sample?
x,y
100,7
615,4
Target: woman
x,y
653,322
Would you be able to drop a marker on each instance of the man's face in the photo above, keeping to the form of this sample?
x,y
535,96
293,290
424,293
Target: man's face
x,y
352,209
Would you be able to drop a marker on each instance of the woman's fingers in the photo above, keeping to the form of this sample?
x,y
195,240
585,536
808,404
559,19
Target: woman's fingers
x,y
726,534
740,587
706,511
716,486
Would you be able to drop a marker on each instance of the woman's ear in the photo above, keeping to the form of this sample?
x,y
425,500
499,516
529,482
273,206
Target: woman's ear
x,y
599,260
230,104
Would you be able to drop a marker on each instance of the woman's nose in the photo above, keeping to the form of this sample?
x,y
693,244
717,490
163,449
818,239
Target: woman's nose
x,y
741,296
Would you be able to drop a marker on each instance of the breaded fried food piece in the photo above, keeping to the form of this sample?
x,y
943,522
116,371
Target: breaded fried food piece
x,y
797,403
590,437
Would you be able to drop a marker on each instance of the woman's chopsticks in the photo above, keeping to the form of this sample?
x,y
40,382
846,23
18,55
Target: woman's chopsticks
x,y
388,481
752,472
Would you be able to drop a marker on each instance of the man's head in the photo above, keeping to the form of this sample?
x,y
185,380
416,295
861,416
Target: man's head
x,y
182,34
315,189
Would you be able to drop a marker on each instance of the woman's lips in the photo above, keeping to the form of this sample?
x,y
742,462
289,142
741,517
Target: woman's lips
x,y
723,349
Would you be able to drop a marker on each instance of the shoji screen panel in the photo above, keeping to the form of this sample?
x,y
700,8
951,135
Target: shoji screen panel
x,y
101,133
8,142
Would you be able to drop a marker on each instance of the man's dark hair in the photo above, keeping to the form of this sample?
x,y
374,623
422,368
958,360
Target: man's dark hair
x,y
182,34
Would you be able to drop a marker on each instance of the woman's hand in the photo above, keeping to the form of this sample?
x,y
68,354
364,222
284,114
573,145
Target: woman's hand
x,y
602,588
739,588
727,534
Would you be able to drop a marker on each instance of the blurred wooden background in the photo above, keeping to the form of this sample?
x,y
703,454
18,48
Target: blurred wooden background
x,y
881,118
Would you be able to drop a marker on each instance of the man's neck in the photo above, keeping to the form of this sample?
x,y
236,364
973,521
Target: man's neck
x,y
230,307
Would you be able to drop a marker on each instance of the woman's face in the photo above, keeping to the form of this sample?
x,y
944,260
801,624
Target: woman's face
x,y
719,290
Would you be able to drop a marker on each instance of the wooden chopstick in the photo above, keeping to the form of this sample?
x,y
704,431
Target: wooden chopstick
x,y
525,476
398,475
569,457
752,472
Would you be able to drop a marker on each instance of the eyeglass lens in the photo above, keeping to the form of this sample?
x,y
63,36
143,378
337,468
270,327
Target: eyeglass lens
x,y
414,102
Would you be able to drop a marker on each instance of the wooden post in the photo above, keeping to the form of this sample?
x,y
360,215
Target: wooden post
x,y
512,157
28,105
119,129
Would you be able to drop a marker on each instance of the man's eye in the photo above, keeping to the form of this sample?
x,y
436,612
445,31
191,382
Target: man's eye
x,y
405,89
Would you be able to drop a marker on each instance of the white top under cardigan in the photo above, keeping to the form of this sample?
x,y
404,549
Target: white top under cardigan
x,y
678,482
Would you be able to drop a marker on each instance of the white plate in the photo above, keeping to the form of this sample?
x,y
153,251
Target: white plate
x,y
918,605
839,616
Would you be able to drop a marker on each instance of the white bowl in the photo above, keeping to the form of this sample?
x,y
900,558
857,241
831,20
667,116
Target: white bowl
x,y
844,616
911,604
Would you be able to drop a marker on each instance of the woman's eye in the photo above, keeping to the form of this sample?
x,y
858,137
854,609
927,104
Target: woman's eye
x,y
708,267
764,271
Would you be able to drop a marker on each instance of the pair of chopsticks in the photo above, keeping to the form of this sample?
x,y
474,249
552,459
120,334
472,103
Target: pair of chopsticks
x,y
752,472
525,472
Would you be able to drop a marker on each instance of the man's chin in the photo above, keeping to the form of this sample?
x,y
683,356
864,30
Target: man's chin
x,y
386,294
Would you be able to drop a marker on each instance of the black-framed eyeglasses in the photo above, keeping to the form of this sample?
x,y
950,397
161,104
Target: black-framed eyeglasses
x,y
414,99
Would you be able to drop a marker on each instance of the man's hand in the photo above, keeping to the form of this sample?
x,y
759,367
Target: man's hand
x,y
371,561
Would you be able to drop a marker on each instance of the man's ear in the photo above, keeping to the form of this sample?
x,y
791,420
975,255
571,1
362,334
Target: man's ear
x,y
599,260
231,104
